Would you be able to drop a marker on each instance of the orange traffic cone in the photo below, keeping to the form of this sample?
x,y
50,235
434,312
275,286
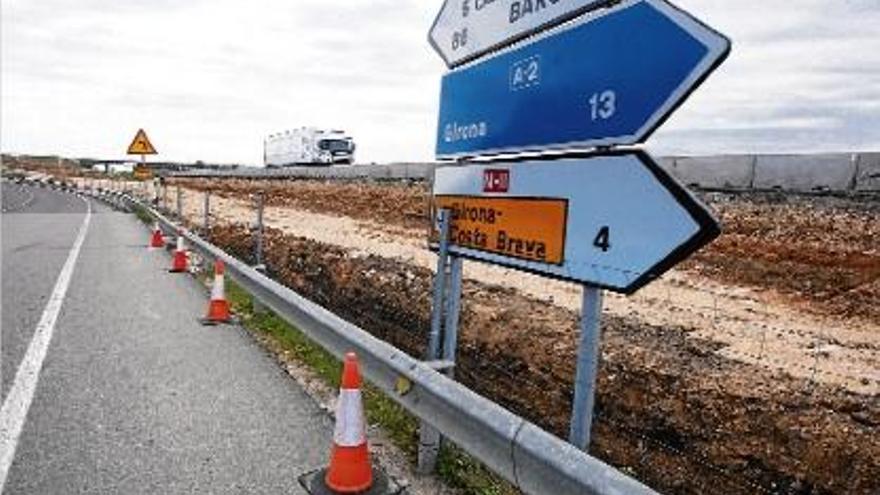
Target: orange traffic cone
x,y
180,262
218,308
157,241
350,470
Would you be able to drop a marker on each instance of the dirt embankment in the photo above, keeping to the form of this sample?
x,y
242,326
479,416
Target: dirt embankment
x,y
670,409
819,254
822,254
399,204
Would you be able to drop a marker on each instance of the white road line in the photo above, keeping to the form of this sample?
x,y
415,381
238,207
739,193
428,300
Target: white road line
x,y
18,401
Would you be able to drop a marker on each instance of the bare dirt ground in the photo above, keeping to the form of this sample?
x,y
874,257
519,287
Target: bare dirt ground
x,y
755,367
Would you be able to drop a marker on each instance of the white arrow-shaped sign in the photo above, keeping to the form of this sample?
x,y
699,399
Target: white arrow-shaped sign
x,y
466,29
614,221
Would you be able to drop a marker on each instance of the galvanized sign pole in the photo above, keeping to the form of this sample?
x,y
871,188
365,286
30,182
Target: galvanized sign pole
x,y
429,437
453,312
587,368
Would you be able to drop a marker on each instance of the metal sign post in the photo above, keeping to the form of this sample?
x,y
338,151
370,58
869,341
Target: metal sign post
x,y
443,220
453,312
429,437
587,368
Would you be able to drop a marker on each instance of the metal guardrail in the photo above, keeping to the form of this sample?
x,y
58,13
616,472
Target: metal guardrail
x,y
522,453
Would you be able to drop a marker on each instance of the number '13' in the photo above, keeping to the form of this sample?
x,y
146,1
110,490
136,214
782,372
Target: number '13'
x,y
603,105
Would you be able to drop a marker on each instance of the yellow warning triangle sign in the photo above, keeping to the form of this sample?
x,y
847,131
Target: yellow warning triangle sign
x,y
141,145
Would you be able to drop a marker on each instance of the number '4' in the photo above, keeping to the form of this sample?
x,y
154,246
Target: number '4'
x,y
603,239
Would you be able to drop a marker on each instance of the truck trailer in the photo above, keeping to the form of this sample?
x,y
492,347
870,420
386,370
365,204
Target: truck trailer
x,y
308,146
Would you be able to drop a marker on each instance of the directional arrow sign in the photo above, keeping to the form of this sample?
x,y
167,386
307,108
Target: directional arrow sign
x,y
466,29
615,221
608,79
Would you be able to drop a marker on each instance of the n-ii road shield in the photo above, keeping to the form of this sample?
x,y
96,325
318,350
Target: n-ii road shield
x,y
607,79
616,221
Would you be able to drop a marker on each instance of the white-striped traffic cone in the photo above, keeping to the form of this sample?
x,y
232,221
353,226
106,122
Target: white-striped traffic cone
x,y
350,470
218,308
157,241
180,262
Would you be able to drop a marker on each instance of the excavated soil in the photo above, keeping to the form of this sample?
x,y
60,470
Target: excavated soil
x,y
820,254
823,252
401,204
670,410
713,380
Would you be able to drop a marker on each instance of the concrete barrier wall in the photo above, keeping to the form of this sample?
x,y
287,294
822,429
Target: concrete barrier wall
x,y
805,173
868,172
716,172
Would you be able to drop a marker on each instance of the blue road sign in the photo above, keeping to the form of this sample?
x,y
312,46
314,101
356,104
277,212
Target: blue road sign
x,y
606,79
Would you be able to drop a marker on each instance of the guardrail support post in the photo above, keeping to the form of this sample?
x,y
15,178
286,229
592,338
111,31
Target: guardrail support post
x,y
256,305
587,369
429,437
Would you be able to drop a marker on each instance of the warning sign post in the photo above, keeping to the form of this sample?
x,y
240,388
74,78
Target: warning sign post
x,y
141,145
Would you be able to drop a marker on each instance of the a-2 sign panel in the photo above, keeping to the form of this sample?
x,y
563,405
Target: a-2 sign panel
x,y
606,79
466,29
626,221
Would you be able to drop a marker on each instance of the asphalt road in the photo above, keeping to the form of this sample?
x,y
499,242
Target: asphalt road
x,y
134,395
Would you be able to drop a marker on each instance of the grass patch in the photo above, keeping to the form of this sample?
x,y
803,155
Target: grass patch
x,y
455,467
459,470
142,214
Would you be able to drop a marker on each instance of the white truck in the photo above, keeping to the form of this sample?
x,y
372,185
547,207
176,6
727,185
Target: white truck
x,y
308,146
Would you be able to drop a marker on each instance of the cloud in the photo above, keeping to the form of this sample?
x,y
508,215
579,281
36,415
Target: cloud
x,y
208,80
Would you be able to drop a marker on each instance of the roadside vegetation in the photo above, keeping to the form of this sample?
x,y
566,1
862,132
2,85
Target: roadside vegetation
x,y
455,467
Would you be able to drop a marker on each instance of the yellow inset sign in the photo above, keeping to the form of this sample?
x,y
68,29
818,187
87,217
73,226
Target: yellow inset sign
x,y
141,145
525,228
142,172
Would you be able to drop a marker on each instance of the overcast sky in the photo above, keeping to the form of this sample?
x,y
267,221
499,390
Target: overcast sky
x,y
209,79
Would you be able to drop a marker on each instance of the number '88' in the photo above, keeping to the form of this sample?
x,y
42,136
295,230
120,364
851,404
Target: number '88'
x,y
459,39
